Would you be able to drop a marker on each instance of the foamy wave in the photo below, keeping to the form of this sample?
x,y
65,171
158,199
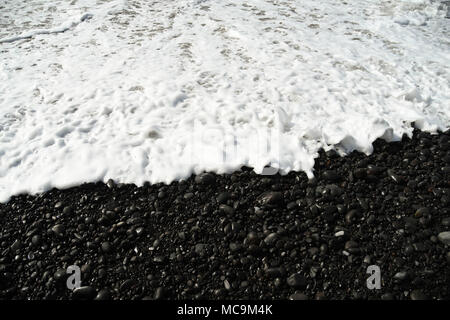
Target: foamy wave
x,y
156,91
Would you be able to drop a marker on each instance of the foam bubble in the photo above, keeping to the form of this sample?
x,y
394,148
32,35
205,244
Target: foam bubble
x,y
154,91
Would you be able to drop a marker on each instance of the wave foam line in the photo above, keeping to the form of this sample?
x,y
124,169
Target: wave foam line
x,y
60,29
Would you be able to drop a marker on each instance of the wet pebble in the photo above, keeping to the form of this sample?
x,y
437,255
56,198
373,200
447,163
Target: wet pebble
x,y
84,293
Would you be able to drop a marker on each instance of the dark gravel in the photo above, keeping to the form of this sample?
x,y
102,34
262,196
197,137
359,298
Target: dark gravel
x,y
243,235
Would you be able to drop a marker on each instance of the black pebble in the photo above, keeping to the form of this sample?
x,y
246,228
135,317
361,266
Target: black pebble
x,y
84,293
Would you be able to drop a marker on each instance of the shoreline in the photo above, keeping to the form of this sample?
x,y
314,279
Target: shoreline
x,y
241,235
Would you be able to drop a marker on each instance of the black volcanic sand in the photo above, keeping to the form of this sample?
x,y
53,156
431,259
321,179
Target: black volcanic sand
x,y
242,235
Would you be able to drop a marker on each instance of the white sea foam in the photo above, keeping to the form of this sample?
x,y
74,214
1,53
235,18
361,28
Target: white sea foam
x,y
158,90
62,28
